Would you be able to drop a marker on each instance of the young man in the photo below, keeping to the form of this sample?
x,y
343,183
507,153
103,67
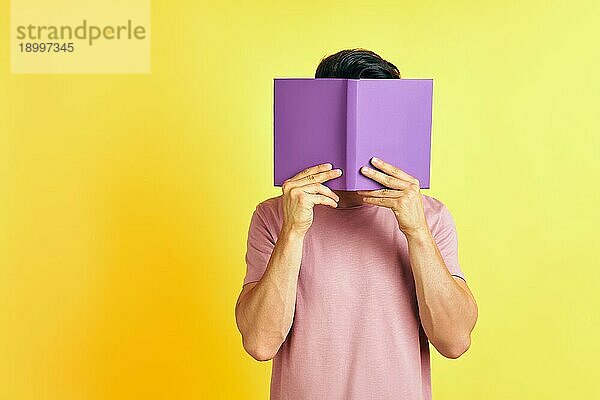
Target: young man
x,y
345,290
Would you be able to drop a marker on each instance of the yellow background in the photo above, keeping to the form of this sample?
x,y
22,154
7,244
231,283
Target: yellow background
x,y
125,199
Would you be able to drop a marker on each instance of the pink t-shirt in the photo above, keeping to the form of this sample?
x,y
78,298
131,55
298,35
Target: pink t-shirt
x,y
356,332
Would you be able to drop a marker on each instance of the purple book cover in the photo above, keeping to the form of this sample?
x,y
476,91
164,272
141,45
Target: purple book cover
x,y
348,121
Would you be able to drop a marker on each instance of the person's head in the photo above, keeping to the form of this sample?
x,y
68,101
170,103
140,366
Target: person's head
x,y
356,64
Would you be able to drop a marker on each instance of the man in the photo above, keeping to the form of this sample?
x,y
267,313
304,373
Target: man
x,y
344,290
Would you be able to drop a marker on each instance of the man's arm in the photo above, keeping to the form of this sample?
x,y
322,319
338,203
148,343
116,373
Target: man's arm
x,y
265,309
447,308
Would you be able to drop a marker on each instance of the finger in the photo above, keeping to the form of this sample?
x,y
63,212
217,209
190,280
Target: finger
x,y
384,179
318,178
385,192
319,188
321,199
312,170
392,170
380,201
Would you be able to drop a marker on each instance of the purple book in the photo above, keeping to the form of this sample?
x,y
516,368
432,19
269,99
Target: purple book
x,y
348,121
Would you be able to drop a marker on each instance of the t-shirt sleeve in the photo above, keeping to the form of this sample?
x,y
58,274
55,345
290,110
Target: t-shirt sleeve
x,y
259,246
446,239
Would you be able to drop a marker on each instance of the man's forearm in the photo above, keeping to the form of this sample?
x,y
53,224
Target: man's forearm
x,y
448,313
266,312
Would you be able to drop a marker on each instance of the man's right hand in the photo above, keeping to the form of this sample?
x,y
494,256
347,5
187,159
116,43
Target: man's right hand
x,y
303,191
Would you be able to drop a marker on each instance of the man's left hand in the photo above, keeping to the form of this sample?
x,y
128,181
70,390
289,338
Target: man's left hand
x,y
402,195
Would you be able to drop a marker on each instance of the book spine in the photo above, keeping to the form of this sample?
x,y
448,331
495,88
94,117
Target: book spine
x,y
351,171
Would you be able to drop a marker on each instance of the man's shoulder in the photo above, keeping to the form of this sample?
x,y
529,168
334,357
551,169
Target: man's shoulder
x,y
432,205
438,215
271,208
271,202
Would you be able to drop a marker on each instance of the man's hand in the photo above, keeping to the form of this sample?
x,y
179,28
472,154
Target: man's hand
x,y
402,195
303,191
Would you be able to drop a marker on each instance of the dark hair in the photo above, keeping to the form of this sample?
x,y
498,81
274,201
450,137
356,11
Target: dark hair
x,y
356,64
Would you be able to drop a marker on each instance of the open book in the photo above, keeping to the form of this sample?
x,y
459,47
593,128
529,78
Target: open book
x,y
348,121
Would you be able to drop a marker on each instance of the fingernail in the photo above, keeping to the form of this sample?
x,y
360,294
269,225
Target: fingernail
x,y
375,159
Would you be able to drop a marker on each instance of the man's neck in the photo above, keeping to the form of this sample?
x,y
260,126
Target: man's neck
x,y
348,198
